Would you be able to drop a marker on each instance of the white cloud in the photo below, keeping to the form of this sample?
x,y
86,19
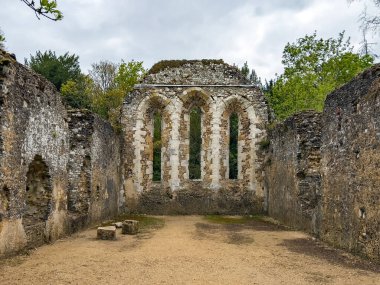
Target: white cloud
x,y
148,30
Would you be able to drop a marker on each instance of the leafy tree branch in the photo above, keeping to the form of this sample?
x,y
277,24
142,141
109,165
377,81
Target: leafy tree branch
x,y
45,8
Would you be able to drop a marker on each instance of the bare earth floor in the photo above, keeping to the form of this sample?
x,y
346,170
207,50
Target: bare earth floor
x,y
190,250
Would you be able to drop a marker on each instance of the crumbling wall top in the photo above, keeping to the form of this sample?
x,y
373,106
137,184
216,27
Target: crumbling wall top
x,y
194,72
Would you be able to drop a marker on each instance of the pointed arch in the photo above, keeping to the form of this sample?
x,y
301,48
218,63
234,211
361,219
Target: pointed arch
x,y
246,142
144,140
198,101
38,200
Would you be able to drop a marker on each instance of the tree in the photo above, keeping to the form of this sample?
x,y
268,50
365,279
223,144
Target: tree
x,y
2,39
369,22
312,69
112,83
245,70
103,73
57,69
78,93
251,77
46,8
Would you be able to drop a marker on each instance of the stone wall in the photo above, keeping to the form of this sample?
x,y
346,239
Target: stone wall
x,y
351,166
218,90
292,169
322,171
94,169
58,172
33,158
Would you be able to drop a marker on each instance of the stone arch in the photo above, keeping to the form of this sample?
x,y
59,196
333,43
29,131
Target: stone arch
x,y
246,140
195,98
38,200
143,139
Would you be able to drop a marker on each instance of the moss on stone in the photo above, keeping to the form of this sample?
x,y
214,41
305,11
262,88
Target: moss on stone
x,y
218,219
163,64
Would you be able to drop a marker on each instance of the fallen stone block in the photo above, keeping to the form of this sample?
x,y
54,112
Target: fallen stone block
x,y
118,225
130,227
106,233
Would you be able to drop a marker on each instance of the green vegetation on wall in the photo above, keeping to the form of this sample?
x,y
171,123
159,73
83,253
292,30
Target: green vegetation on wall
x,y
157,125
312,69
195,143
233,153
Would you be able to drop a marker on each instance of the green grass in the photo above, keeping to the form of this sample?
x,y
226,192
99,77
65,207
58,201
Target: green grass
x,y
145,222
217,219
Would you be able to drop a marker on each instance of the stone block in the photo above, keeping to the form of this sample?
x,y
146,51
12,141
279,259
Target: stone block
x,y
130,227
106,233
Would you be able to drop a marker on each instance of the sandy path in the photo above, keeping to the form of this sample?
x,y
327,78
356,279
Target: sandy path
x,y
189,250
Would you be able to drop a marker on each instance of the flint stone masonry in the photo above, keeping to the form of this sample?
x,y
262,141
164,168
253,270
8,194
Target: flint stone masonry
x,y
293,178
351,166
322,171
219,90
106,233
34,147
94,169
58,171
130,227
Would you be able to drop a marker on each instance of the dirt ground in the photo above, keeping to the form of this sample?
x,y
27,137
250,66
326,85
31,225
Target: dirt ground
x,y
190,250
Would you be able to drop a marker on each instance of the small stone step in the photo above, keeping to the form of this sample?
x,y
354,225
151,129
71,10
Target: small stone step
x,y
106,233
130,227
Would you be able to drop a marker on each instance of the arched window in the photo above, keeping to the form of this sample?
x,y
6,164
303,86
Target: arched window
x,y
157,118
233,146
38,193
195,143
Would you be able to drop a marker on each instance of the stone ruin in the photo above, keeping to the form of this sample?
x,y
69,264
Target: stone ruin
x,y
62,170
219,91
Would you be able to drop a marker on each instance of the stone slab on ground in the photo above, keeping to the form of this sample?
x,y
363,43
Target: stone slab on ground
x,y
106,233
130,227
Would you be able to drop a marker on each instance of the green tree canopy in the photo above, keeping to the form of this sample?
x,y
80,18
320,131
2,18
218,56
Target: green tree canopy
x,y
57,69
104,89
2,39
313,68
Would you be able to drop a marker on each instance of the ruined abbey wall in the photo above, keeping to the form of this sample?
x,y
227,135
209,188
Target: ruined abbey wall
x,y
322,171
37,158
218,90
94,170
292,172
351,165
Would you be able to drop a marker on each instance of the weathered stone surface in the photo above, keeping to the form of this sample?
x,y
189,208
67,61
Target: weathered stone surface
x,y
292,172
94,169
325,177
118,225
176,192
34,151
106,233
130,227
351,166
58,172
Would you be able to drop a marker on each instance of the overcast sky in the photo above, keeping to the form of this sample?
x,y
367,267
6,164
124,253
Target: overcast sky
x,y
255,31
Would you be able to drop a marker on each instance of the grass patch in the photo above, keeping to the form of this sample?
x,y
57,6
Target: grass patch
x,y
228,220
145,222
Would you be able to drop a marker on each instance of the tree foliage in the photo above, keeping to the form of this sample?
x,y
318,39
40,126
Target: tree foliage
x,y
313,68
2,39
251,77
57,69
370,21
104,89
45,8
78,93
